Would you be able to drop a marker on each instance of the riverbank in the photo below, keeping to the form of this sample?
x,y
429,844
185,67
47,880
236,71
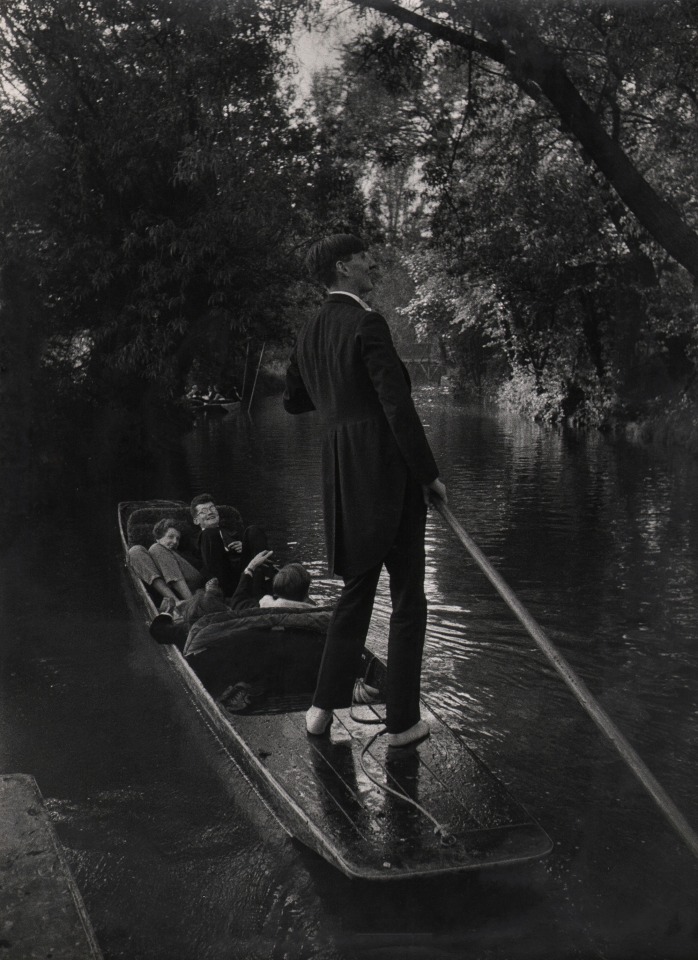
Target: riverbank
x,y
674,426
667,422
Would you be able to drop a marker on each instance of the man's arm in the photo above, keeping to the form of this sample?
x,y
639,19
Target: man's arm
x,y
250,587
242,599
388,378
296,399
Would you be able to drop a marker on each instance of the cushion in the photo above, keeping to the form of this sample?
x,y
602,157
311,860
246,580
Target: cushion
x,y
142,520
218,629
141,523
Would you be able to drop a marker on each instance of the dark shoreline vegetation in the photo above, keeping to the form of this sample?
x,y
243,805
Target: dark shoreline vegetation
x,y
527,186
60,451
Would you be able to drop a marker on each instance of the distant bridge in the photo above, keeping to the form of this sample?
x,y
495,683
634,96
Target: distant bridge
x,y
433,368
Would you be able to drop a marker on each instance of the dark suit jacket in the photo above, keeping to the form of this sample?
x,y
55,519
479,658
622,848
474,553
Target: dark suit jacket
x,y
345,366
217,561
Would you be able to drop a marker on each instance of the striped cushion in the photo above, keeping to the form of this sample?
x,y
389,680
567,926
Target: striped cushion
x,y
141,523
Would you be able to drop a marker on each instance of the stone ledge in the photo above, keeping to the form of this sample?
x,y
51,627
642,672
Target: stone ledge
x,y
42,914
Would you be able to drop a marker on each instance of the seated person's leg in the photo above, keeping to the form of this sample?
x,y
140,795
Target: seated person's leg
x,y
172,570
192,576
202,603
163,629
145,567
254,540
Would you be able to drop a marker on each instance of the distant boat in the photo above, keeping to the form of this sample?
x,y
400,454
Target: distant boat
x,y
373,812
216,405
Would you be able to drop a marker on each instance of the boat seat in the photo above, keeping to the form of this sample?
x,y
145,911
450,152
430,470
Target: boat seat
x,y
286,661
140,525
225,629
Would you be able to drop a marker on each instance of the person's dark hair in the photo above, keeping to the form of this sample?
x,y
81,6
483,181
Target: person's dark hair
x,y
321,259
292,582
198,500
162,526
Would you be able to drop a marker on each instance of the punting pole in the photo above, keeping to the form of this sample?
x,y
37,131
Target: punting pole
x,y
254,385
576,685
244,372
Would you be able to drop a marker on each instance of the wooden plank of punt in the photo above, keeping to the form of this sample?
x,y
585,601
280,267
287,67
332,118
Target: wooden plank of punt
x,y
41,911
374,834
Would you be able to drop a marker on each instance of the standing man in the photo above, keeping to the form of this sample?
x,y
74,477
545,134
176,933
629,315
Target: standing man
x,y
378,472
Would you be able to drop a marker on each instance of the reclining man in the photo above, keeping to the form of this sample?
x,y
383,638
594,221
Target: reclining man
x,y
225,553
287,591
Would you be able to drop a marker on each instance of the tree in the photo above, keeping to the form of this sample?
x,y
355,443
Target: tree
x,y
158,177
525,261
558,56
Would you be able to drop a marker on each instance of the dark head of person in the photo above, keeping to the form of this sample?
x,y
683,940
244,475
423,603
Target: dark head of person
x,y
161,530
162,526
204,511
292,582
322,257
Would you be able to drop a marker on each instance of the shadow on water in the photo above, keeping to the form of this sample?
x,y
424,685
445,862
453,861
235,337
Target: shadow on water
x,y
175,855
482,912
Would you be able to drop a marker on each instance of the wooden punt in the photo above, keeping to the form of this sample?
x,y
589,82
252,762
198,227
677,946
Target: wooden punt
x,y
212,406
443,811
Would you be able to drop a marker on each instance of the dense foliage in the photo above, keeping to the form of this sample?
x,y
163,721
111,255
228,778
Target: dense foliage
x,y
543,248
159,179
527,176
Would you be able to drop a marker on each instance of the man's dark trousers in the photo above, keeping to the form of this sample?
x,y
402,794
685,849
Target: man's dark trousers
x,y
352,615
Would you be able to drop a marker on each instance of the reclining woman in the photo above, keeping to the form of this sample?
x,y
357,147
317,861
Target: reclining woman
x,y
162,568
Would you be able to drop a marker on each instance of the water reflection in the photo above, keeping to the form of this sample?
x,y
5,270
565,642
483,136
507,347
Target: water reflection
x,y
599,541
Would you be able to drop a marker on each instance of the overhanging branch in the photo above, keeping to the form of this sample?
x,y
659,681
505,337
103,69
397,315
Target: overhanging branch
x,y
537,70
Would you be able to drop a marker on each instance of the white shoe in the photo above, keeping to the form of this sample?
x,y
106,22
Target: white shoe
x,y
415,734
317,720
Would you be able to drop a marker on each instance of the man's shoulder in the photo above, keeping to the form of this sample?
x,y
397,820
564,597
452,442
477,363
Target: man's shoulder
x,y
341,302
351,314
334,315
339,318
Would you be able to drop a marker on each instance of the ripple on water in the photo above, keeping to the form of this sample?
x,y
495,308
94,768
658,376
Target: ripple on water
x,y
601,544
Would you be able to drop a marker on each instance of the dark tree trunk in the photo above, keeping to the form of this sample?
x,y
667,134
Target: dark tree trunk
x,y
18,359
538,71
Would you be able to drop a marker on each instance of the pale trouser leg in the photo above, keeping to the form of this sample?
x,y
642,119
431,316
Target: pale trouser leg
x,y
143,564
174,567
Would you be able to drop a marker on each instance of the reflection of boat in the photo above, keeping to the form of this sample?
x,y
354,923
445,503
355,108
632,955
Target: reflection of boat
x,y
224,405
371,811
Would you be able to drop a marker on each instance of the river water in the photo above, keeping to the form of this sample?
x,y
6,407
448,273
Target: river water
x,y
174,854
